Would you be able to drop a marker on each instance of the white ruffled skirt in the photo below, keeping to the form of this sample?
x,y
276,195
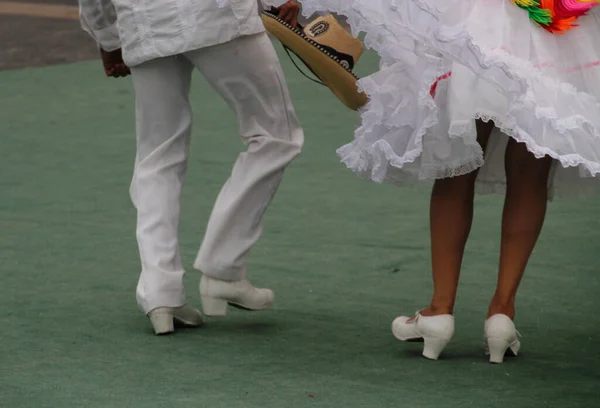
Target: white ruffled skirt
x,y
446,63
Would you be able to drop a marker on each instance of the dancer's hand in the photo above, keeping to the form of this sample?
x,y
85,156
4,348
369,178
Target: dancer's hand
x,y
289,12
114,66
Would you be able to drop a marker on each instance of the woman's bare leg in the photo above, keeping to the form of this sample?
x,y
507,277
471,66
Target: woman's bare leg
x,y
451,216
524,214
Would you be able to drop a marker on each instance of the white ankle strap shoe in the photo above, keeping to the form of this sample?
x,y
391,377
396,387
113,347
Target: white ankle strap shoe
x,y
435,331
501,336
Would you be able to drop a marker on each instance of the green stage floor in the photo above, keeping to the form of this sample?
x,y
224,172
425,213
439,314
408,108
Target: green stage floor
x,y
344,256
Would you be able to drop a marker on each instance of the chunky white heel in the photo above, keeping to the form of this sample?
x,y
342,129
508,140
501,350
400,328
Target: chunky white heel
x,y
501,336
497,349
214,306
163,319
433,347
435,331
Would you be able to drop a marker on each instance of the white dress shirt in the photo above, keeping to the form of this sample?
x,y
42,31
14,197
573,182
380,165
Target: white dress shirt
x,y
149,29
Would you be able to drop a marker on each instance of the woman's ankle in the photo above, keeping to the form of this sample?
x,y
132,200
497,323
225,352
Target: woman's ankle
x,y
499,306
436,310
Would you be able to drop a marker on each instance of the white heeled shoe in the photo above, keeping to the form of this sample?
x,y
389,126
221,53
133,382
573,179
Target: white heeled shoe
x,y
163,319
216,295
501,335
436,332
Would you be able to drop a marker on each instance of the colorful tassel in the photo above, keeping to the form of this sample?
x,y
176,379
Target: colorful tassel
x,y
556,16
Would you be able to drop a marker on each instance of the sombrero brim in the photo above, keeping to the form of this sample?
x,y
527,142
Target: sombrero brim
x,y
340,80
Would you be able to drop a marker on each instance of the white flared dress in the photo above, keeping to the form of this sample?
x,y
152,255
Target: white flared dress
x,y
446,63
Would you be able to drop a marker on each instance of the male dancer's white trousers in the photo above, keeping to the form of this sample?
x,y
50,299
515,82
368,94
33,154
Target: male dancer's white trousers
x,y
247,74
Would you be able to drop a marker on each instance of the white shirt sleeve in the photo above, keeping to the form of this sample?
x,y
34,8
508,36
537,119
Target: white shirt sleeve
x,y
99,19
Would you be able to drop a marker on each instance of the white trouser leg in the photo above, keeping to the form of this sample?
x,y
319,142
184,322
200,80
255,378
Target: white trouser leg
x,y
163,122
247,74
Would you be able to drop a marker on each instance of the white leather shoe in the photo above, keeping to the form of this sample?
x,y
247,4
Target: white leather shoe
x,y
217,294
501,336
164,319
435,331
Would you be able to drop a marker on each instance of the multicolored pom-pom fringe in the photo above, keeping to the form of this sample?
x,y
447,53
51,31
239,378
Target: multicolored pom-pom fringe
x,y
556,16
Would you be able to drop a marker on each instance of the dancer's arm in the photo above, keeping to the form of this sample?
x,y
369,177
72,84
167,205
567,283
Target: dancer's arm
x,y
288,11
99,19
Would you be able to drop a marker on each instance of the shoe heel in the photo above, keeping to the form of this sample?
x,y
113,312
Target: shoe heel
x,y
497,348
434,346
214,306
162,322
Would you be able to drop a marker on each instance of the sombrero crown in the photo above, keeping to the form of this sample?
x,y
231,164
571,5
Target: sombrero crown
x,y
329,33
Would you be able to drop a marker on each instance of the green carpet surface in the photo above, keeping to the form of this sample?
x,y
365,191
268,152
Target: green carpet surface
x,y
345,256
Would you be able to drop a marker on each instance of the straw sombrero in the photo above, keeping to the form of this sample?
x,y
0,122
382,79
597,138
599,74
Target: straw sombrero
x,y
327,49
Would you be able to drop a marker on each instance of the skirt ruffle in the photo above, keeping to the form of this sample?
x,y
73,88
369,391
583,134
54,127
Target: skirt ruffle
x,y
447,63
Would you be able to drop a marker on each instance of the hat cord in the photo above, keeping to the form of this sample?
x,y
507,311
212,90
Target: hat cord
x,y
287,50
